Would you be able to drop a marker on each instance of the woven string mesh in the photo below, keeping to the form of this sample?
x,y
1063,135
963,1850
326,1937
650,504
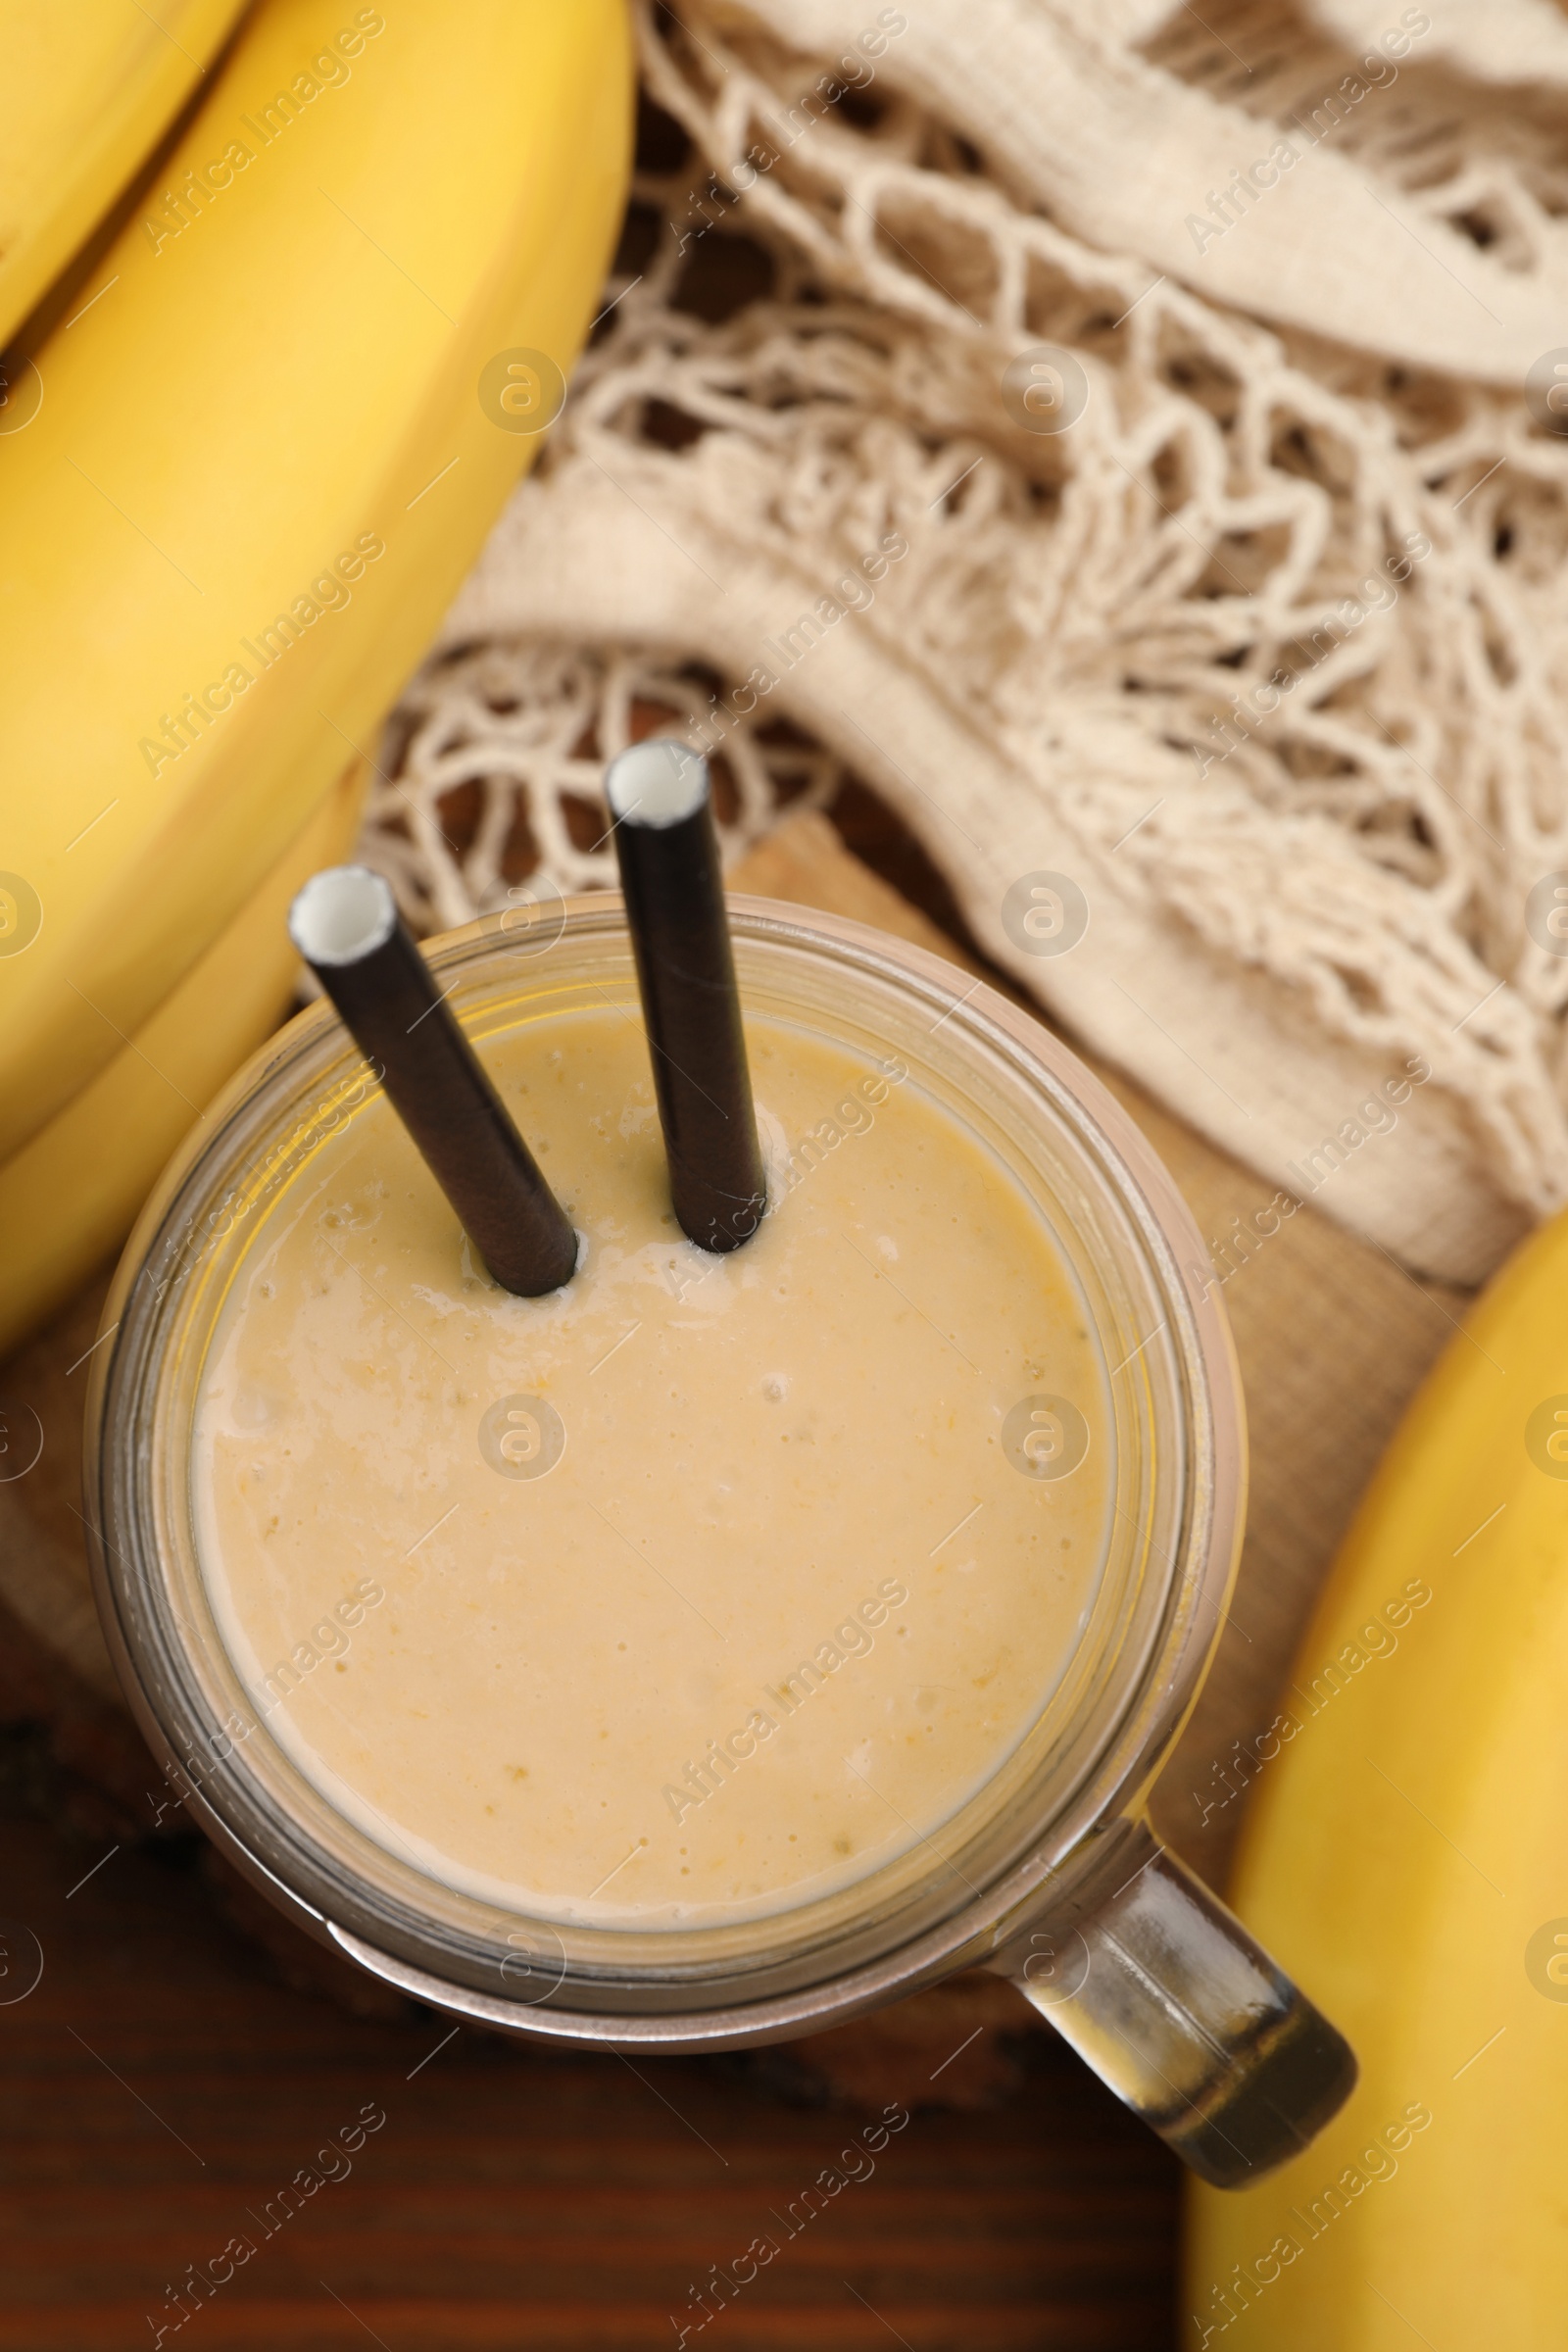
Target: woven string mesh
x,y
495,775
1277,624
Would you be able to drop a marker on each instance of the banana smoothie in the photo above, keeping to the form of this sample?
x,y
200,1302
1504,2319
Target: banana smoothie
x,y
697,1590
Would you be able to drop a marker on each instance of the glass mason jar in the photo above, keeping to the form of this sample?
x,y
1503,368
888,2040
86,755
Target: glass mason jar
x,y
1049,1872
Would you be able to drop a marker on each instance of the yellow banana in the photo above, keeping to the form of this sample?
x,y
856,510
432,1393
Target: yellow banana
x,y
88,92
264,460
1406,1859
70,1194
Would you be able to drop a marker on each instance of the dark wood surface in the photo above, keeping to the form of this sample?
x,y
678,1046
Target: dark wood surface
x,y
159,2089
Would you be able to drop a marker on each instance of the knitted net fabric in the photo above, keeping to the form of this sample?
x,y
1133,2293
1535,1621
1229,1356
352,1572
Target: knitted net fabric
x,y
1265,649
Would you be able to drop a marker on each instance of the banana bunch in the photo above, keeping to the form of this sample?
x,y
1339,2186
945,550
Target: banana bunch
x,y
1406,1858
242,473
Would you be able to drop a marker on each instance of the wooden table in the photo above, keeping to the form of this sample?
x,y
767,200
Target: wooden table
x,y
160,2091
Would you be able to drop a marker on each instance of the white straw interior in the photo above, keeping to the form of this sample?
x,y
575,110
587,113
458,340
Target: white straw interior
x,y
342,915
656,783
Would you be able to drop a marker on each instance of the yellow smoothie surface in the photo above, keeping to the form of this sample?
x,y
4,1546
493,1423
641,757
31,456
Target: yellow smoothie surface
x,y
700,1588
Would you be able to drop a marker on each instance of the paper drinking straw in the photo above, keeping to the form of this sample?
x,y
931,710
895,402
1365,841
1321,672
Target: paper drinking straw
x,y
345,924
669,854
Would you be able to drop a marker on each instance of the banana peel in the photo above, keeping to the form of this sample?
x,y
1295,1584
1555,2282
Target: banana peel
x,y
1406,1857
71,1194
88,92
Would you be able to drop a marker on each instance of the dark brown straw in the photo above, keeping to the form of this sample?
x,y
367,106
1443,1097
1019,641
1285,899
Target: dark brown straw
x,y
346,925
669,870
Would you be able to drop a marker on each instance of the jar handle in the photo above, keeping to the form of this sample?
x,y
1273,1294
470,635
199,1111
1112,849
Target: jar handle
x,y
1161,1990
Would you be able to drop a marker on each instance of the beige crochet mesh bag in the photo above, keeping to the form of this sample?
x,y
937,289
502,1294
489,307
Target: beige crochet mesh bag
x,y
1131,507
